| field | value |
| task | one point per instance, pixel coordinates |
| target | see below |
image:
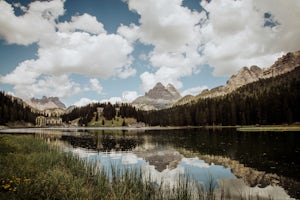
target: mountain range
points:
(247, 75)
(46, 103)
(160, 96)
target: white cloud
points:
(129, 96)
(96, 86)
(84, 22)
(84, 102)
(59, 86)
(165, 23)
(174, 31)
(112, 100)
(36, 24)
(194, 91)
(81, 46)
(232, 35)
(130, 33)
(235, 35)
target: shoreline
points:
(247, 128)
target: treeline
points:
(12, 110)
(268, 101)
(86, 113)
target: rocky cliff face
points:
(46, 103)
(247, 75)
(158, 98)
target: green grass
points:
(33, 169)
(277, 128)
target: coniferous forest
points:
(265, 102)
(268, 101)
(11, 110)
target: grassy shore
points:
(33, 169)
(278, 128)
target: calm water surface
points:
(253, 160)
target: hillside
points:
(13, 109)
(267, 101)
(247, 75)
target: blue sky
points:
(83, 51)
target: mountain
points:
(247, 75)
(158, 97)
(46, 103)
(273, 100)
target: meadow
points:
(31, 168)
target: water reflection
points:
(259, 159)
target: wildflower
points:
(6, 186)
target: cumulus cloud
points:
(84, 22)
(194, 91)
(227, 35)
(36, 24)
(174, 32)
(96, 86)
(112, 100)
(80, 46)
(59, 86)
(129, 96)
(235, 33)
(84, 102)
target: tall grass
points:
(33, 169)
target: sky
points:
(116, 50)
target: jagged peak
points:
(46, 103)
(159, 85)
(158, 97)
(245, 75)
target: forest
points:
(85, 114)
(11, 110)
(267, 101)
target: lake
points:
(265, 164)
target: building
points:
(42, 121)
(54, 121)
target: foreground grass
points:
(33, 169)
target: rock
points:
(158, 97)
(247, 75)
(46, 103)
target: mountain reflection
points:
(259, 159)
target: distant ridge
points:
(246, 75)
(46, 103)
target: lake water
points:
(257, 163)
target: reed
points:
(33, 169)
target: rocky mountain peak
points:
(173, 91)
(160, 92)
(246, 75)
(158, 97)
(46, 103)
